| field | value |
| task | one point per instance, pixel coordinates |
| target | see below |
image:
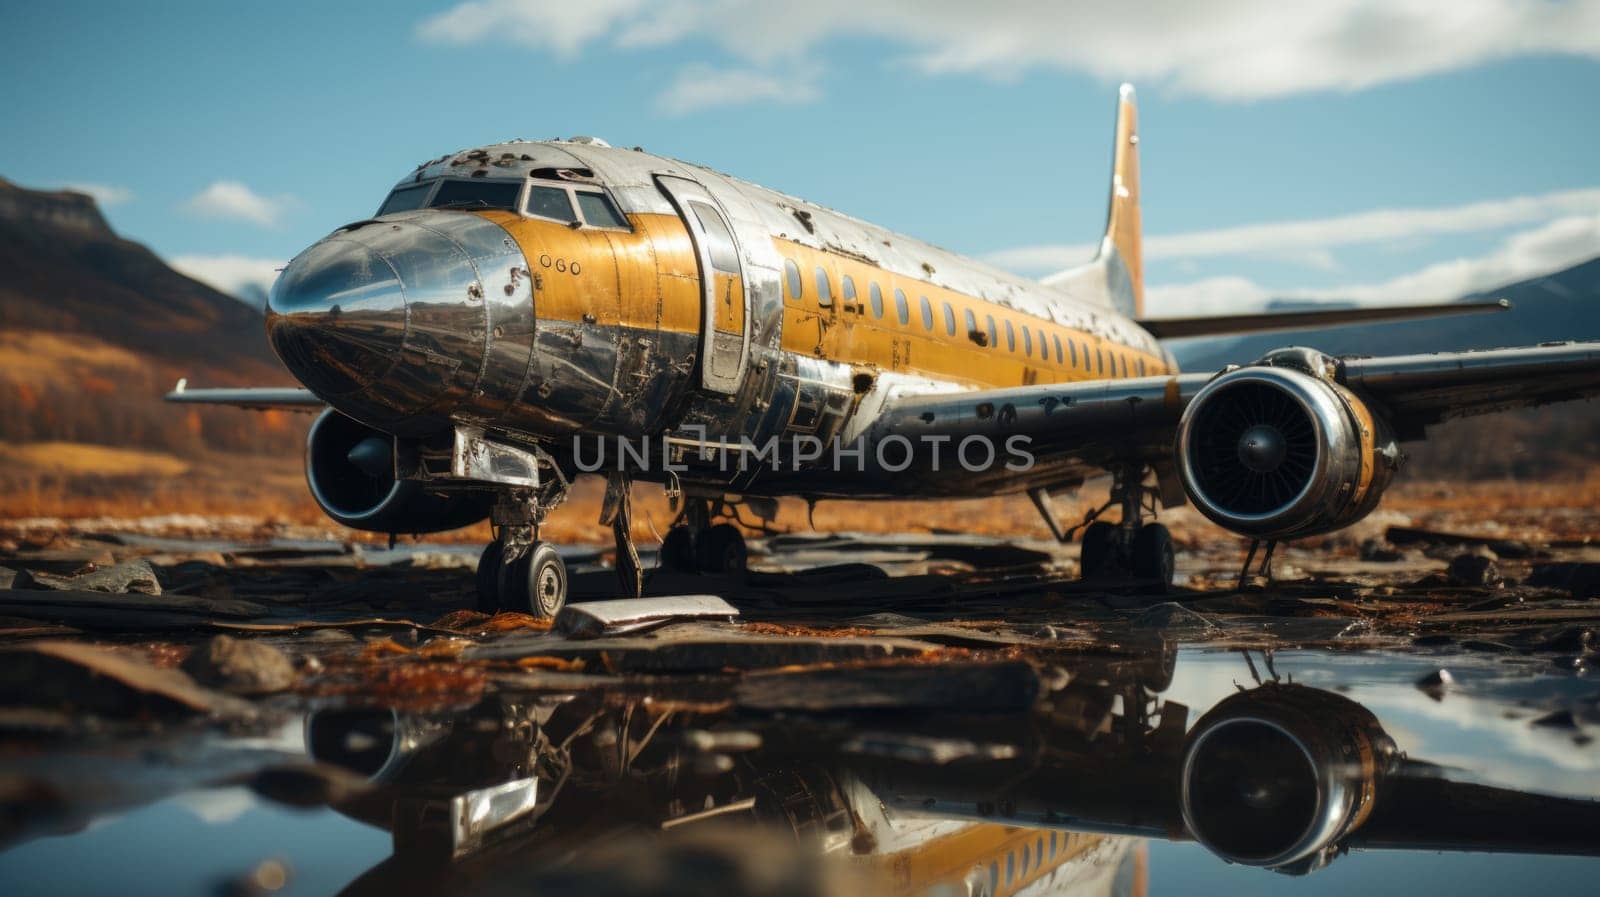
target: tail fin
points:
(1120, 248)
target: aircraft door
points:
(724, 289)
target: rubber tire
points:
(722, 550)
(1153, 555)
(1097, 549)
(488, 577)
(677, 551)
(536, 583)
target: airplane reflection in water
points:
(628, 791)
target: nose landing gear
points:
(517, 571)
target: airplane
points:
(518, 314)
(1059, 798)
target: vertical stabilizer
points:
(1120, 248)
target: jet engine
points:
(350, 468)
(1276, 776)
(1279, 450)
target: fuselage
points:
(566, 291)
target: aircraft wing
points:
(255, 398)
(1105, 422)
(1221, 325)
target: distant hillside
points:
(1563, 305)
(94, 328)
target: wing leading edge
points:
(1226, 325)
(254, 398)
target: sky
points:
(1375, 150)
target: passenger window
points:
(1057, 338)
(404, 199)
(824, 289)
(847, 288)
(1044, 348)
(949, 320)
(972, 328)
(549, 202)
(599, 212)
(994, 335)
(1099, 360)
(1141, 367)
(1011, 338)
(876, 295)
(901, 308)
(792, 274)
(1027, 342)
(1072, 346)
(927, 313)
(719, 243)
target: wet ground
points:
(885, 714)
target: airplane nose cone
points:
(337, 317)
(402, 322)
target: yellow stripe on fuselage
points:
(854, 334)
(648, 278)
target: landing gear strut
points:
(1131, 547)
(696, 545)
(517, 571)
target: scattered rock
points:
(1437, 684)
(1376, 549)
(1474, 569)
(1558, 719)
(102, 681)
(1582, 580)
(1171, 615)
(130, 576)
(240, 666)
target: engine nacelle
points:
(1278, 451)
(1278, 776)
(350, 469)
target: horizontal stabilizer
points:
(256, 398)
(1225, 325)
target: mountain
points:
(94, 328)
(1559, 306)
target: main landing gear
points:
(1130, 548)
(696, 545)
(517, 571)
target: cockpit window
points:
(476, 194)
(598, 210)
(404, 199)
(550, 202)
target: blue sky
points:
(1385, 151)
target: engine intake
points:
(350, 469)
(1277, 452)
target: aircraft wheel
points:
(1153, 557)
(535, 583)
(722, 550)
(1098, 547)
(677, 551)
(489, 564)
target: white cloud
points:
(1308, 241)
(241, 276)
(1550, 247)
(104, 194)
(701, 87)
(234, 201)
(1225, 49)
